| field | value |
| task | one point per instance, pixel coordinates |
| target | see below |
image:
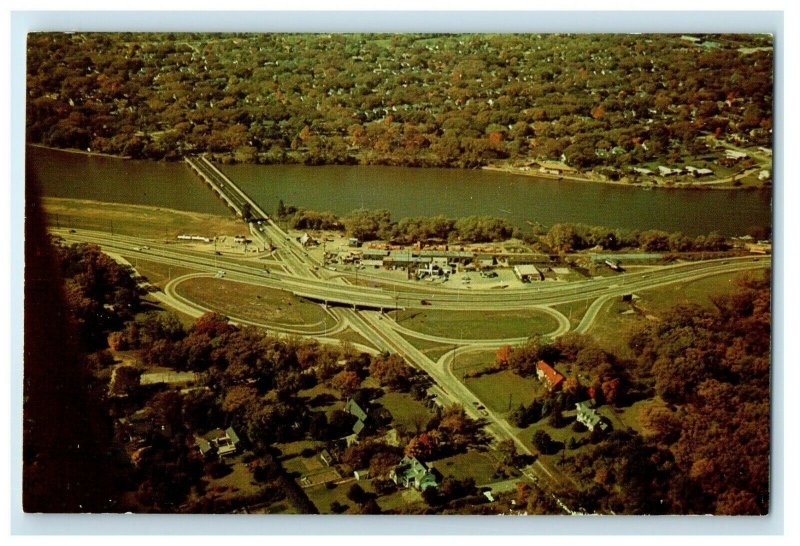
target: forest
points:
(704, 443)
(440, 100)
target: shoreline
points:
(77, 151)
(646, 186)
(700, 186)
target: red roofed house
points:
(548, 375)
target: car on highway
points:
(424, 302)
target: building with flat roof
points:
(528, 272)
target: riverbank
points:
(77, 151)
(724, 184)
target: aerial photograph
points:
(399, 273)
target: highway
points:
(360, 308)
(304, 282)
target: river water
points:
(407, 192)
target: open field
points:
(137, 220)
(432, 349)
(658, 300)
(406, 412)
(322, 398)
(472, 464)
(501, 392)
(251, 302)
(323, 497)
(616, 317)
(353, 337)
(476, 324)
(573, 310)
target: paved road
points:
(303, 282)
(302, 279)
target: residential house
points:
(326, 457)
(667, 171)
(589, 417)
(697, 173)
(218, 442)
(411, 472)
(355, 410)
(549, 376)
(361, 416)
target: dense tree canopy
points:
(404, 99)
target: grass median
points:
(476, 324)
(251, 302)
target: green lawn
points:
(472, 464)
(406, 411)
(503, 391)
(322, 497)
(612, 324)
(353, 337)
(158, 274)
(431, 349)
(616, 318)
(239, 482)
(476, 324)
(251, 302)
(323, 398)
(136, 220)
(658, 300)
(574, 310)
(152, 305)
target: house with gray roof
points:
(411, 472)
(589, 417)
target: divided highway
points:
(362, 304)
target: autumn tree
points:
(502, 356)
(391, 371)
(346, 382)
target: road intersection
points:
(361, 309)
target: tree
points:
(357, 494)
(508, 449)
(382, 462)
(391, 371)
(346, 382)
(542, 441)
(502, 356)
(422, 446)
(610, 389)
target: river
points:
(407, 192)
